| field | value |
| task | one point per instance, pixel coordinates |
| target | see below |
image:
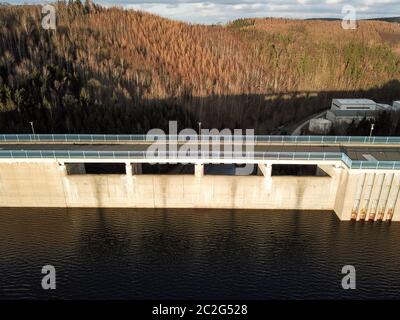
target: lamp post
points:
(33, 129)
(372, 129)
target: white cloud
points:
(334, 1)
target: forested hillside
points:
(118, 71)
(389, 19)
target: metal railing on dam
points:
(306, 156)
(73, 154)
(96, 138)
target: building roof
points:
(384, 106)
(354, 101)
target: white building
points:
(320, 125)
(353, 104)
(349, 110)
(384, 107)
(348, 116)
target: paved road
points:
(370, 153)
(297, 131)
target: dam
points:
(356, 177)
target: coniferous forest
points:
(122, 71)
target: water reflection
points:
(199, 254)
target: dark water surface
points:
(197, 254)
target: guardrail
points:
(190, 155)
(93, 138)
(308, 156)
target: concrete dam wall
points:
(352, 194)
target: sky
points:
(222, 11)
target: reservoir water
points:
(194, 254)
